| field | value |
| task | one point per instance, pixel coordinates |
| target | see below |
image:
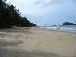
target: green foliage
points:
(10, 16)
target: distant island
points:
(68, 23)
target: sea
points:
(65, 28)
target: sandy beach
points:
(36, 42)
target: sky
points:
(47, 12)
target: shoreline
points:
(58, 30)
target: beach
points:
(36, 42)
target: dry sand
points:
(35, 42)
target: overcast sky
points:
(47, 12)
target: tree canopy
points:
(10, 16)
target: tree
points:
(10, 16)
(23, 22)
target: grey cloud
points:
(46, 1)
(51, 1)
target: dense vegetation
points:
(10, 16)
(68, 23)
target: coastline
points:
(59, 29)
